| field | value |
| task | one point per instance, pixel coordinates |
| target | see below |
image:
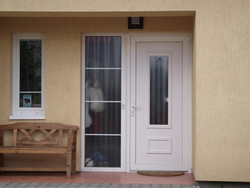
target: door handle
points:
(135, 106)
(133, 111)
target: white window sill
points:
(13, 117)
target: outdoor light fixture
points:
(135, 22)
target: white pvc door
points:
(156, 106)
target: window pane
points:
(30, 100)
(103, 51)
(158, 90)
(102, 151)
(104, 118)
(103, 85)
(30, 65)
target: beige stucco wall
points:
(63, 65)
(194, 99)
(221, 79)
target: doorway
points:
(147, 123)
(160, 103)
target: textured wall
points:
(222, 91)
(63, 64)
(97, 8)
(194, 100)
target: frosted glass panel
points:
(102, 151)
(159, 90)
(105, 121)
(103, 51)
(103, 85)
(102, 101)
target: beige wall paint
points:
(222, 92)
(194, 99)
(221, 100)
(63, 64)
(88, 6)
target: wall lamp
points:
(135, 22)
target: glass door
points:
(102, 102)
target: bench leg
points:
(74, 162)
(1, 155)
(69, 164)
(74, 153)
(1, 161)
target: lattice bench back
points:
(48, 130)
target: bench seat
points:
(32, 150)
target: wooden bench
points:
(50, 143)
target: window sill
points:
(14, 117)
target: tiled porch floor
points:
(96, 177)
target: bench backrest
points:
(23, 133)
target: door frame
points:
(128, 49)
(186, 40)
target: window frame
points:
(27, 112)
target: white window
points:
(28, 76)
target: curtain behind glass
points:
(103, 52)
(158, 90)
(102, 101)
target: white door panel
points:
(157, 130)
